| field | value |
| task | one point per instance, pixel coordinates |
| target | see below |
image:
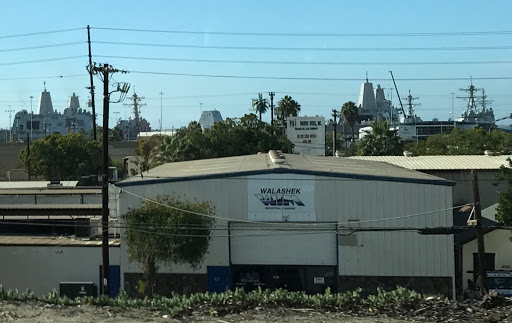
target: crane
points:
(400, 100)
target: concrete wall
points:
(42, 268)
(399, 254)
(497, 242)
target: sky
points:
(60, 58)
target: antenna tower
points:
(135, 106)
(410, 105)
(470, 98)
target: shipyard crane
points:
(499, 119)
(400, 100)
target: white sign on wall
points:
(281, 197)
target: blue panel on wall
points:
(218, 278)
(115, 280)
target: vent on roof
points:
(277, 157)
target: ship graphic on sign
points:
(279, 200)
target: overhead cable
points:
(317, 78)
(40, 46)
(323, 49)
(299, 63)
(41, 33)
(285, 34)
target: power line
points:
(347, 49)
(300, 63)
(41, 46)
(43, 60)
(284, 34)
(317, 78)
(40, 77)
(41, 33)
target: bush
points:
(231, 301)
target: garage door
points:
(283, 244)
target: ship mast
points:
(471, 90)
(410, 106)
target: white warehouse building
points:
(305, 223)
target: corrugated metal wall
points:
(338, 200)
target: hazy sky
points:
(183, 95)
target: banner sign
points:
(283, 197)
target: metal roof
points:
(34, 184)
(295, 164)
(459, 162)
(11, 240)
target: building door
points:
(490, 264)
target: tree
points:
(170, 231)
(473, 141)
(228, 138)
(350, 114)
(260, 105)
(381, 142)
(115, 134)
(504, 209)
(286, 107)
(68, 157)
(145, 154)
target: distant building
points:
(208, 118)
(307, 134)
(47, 120)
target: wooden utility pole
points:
(104, 188)
(105, 70)
(272, 94)
(28, 158)
(334, 115)
(93, 104)
(479, 234)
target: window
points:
(312, 136)
(312, 123)
(319, 123)
(306, 136)
(21, 127)
(298, 136)
(303, 123)
(292, 123)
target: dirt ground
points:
(42, 313)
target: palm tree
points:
(286, 107)
(260, 104)
(350, 113)
(381, 141)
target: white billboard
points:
(283, 197)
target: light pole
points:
(10, 122)
(161, 115)
(31, 115)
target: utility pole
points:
(10, 122)
(28, 158)
(334, 115)
(272, 94)
(161, 114)
(31, 115)
(104, 188)
(479, 235)
(104, 71)
(93, 104)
